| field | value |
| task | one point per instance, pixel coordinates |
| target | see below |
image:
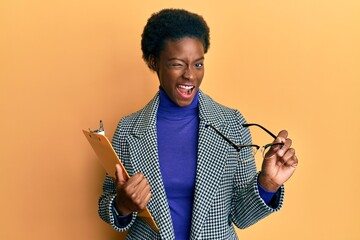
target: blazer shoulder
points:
(142, 119)
(213, 108)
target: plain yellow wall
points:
(285, 64)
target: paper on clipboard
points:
(108, 158)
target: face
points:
(180, 69)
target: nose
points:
(189, 73)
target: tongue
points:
(184, 91)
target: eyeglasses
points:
(255, 148)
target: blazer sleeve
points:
(106, 200)
(247, 205)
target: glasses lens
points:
(254, 150)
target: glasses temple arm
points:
(226, 139)
(254, 124)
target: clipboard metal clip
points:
(101, 129)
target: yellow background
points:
(284, 64)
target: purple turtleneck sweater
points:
(177, 136)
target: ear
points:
(153, 63)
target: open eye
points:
(199, 65)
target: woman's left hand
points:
(279, 164)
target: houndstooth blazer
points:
(226, 191)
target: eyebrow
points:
(179, 59)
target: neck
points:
(168, 108)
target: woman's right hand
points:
(133, 194)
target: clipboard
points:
(108, 158)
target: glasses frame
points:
(238, 147)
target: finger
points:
(289, 153)
(136, 179)
(148, 197)
(140, 195)
(281, 138)
(283, 134)
(273, 149)
(142, 188)
(130, 188)
(140, 204)
(293, 162)
(146, 200)
(290, 158)
(284, 149)
(145, 191)
(145, 197)
(120, 178)
(277, 148)
(143, 184)
(139, 190)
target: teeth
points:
(186, 87)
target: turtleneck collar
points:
(168, 109)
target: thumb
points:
(120, 178)
(278, 144)
(272, 148)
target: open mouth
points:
(185, 90)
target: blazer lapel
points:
(210, 165)
(144, 158)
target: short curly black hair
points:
(172, 24)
